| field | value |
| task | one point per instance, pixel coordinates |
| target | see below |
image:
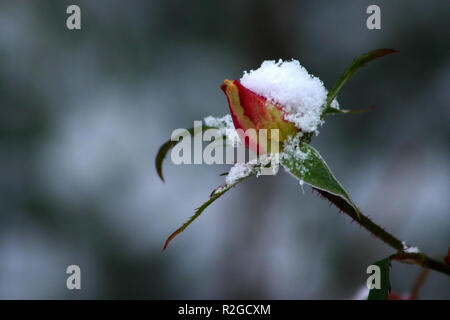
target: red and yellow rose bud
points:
(252, 111)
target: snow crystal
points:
(291, 147)
(334, 104)
(412, 250)
(287, 83)
(242, 170)
(238, 171)
(292, 152)
(302, 183)
(257, 166)
(295, 157)
(267, 164)
(409, 249)
(225, 126)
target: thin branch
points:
(418, 284)
(402, 256)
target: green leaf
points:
(357, 64)
(162, 152)
(309, 167)
(213, 197)
(165, 148)
(383, 292)
(331, 110)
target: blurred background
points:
(82, 114)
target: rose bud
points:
(278, 95)
(252, 111)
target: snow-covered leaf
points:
(306, 164)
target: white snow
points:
(267, 162)
(254, 166)
(296, 157)
(226, 127)
(292, 152)
(301, 95)
(291, 147)
(334, 104)
(238, 171)
(409, 249)
(302, 183)
(412, 250)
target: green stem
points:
(402, 256)
(423, 260)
